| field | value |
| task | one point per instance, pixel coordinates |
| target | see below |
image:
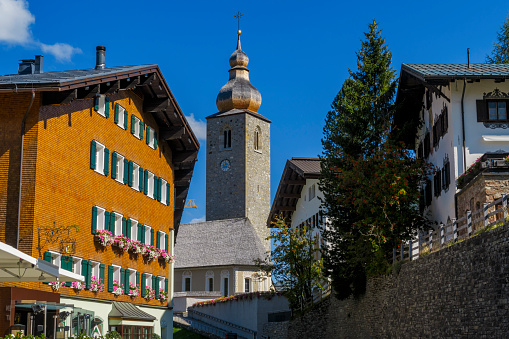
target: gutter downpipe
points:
(21, 163)
(463, 123)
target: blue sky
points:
(300, 51)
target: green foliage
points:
(116, 335)
(293, 262)
(180, 333)
(500, 53)
(370, 183)
(156, 336)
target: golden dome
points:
(238, 91)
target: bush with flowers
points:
(55, 285)
(104, 237)
(238, 297)
(96, 285)
(470, 173)
(163, 296)
(118, 288)
(134, 290)
(150, 293)
(77, 285)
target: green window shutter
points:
(168, 194)
(106, 162)
(166, 238)
(96, 104)
(107, 107)
(126, 280)
(140, 232)
(122, 277)
(128, 229)
(116, 114)
(145, 183)
(47, 256)
(114, 165)
(130, 174)
(64, 260)
(142, 127)
(101, 273)
(155, 140)
(166, 285)
(151, 237)
(126, 115)
(158, 242)
(154, 287)
(93, 151)
(143, 279)
(68, 284)
(138, 278)
(94, 220)
(126, 170)
(133, 124)
(89, 274)
(156, 180)
(107, 221)
(124, 226)
(141, 179)
(84, 270)
(112, 223)
(147, 137)
(110, 278)
(143, 234)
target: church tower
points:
(238, 152)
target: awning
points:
(128, 311)
(16, 266)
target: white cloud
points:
(61, 51)
(199, 127)
(195, 220)
(15, 21)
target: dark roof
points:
(218, 243)
(293, 179)
(456, 71)
(128, 311)
(238, 111)
(62, 87)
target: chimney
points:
(468, 57)
(38, 64)
(26, 66)
(100, 57)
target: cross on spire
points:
(238, 16)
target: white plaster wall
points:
(443, 207)
(306, 208)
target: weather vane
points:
(238, 16)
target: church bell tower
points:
(238, 151)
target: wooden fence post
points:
(410, 250)
(469, 222)
(402, 251)
(430, 240)
(454, 229)
(504, 204)
(485, 210)
(442, 234)
(420, 242)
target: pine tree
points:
(500, 54)
(369, 183)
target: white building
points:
(463, 110)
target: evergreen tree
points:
(370, 184)
(500, 54)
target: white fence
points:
(489, 215)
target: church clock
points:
(225, 165)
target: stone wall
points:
(461, 291)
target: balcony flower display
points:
(104, 237)
(96, 285)
(163, 296)
(122, 242)
(77, 285)
(149, 293)
(55, 285)
(166, 256)
(136, 246)
(118, 288)
(150, 252)
(134, 290)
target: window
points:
(137, 176)
(186, 281)
(134, 229)
(148, 235)
(497, 110)
(116, 223)
(56, 258)
(95, 269)
(148, 280)
(161, 240)
(225, 287)
(225, 275)
(132, 276)
(227, 139)
(136, 127)
(102, 105)
(149, 180)
(437, 183)
(210, 284)
(312, 192)
(121, 116)
(116, 273)
(118, 167)
(151, 137)
(247, 284)
(76, 265)
(159, 284)
(164, 191)
(99, 158)
(257, 139)
(99, 221)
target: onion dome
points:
(238, 92)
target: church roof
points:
(218, 243)
(238, 111)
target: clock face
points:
(225, 165)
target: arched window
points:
(225, 283)
(209, 281)
(227, 138)
(257, 139)
(186, 281)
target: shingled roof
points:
(293, 179)
(125, 310)
(62, 87)
(218, 243)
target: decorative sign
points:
(96, 333)
(60, 235)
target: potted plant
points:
(96, 285)
(104, 237)
(163, 296)
(118, 288)
(55, 285)
(77, 285)
(134, 290)
(149, 293)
